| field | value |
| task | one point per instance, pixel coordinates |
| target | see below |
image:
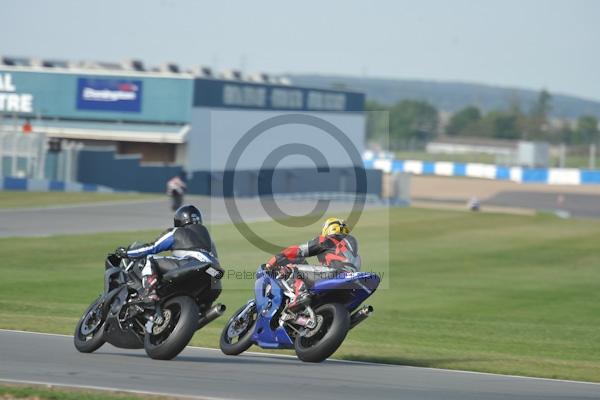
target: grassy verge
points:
(484, 292)
(10, 392)
(16, 199)
(571, 161)
(574, 161)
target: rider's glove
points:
(286, 271)
(271, 270)
(121, 252)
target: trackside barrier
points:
(43, 185)
(550, 176)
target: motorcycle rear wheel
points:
(89, 332)
(171, 339)
(329, 335)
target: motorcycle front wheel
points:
(333, 323)
(180, 322)
(237, 333)
(89, 331)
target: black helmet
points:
(186, 215)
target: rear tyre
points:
(237, 333)
(180, 323)
(333, 325)
(89, 332)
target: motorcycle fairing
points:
(267, 305)
(356, 287)
(359, 285)
(114, 332)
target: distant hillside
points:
(450, 96)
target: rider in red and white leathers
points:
(336, 250)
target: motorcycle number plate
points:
(212, 272)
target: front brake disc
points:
(158, 329)
(238, 326)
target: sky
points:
(534, 44)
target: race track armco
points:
(206, 373)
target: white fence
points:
(27, 155)
(22, 155)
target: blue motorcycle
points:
(315, 330)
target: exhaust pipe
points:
(360, 316)
(212, 314)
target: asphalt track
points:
(121, 216)
(579, 205)
(207, 373)
(155, 214)
(576, 205)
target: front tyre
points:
(179, 325)
(89, 332)
(237, 333)
(333, 323)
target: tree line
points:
(416, 120)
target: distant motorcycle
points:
(163, 330)
(315, 331)
(176, 188)
(176, 196)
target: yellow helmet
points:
(335, 226)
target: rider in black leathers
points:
(188, 240)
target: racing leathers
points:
(336, 254)
(187, 243)
(176, 185)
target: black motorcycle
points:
(163, 329)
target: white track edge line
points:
(105, 389)
(256, 353)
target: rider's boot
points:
(149, 295)
(301, 295)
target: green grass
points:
(16, 199)
(482, 292)
(571, 161)
(575, 161)
(52, 393)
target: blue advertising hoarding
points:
(109, 94)
(58, 94)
